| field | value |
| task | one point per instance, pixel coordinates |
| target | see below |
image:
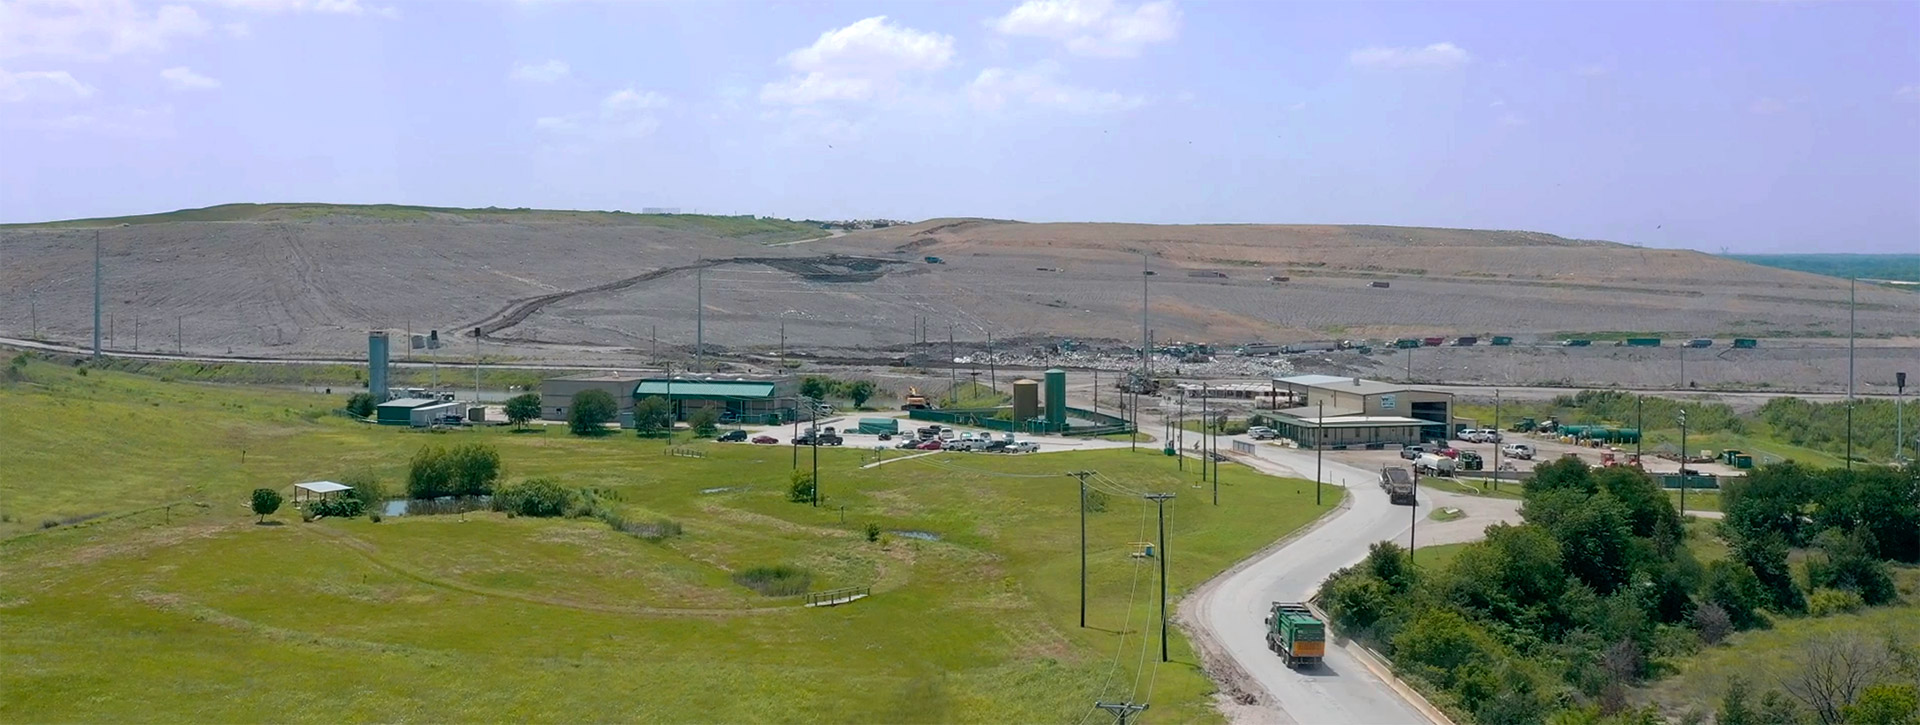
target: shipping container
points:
(1465, 341)
(1433, 341)
(1745, 343)
(1642, 342)
(1502, 340)
(1406, 342)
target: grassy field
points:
(1437, 558)
(1473, 487)
(1697, 499)
(1764, 655)
(484, 617)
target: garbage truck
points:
(1398, 484)
(1296, 635)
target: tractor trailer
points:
(1296, 635)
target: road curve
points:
(1229, 610)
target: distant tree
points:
(1734, 706)
(1884, 704)
(1733, 588)
(814, 386)
(1388, 561)
(475, 466)
(1712, 622)
(650, 415)
(1846, 563)
(592, 410)
(360, 404)
(522, 408)
(704, 421)
(859, 391)
(1564, 474)
(430, 474)
(1834, 671)
(265, 502)
(1766, 555)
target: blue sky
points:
(1751, 126)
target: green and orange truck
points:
(1296, 635)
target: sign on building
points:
(1388, 401)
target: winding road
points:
(1229, 610)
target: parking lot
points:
(847, 427)
(1546, 449)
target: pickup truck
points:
(1262, 433)
(1520, 451)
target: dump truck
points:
(914, 400)
(1296, 635)
(1398, 484)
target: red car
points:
(765, 439)
(932, 444)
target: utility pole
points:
(1683, 461)
(1206, 422)
(783, 344)
(1161, 499)
(1639, 424)
(1180, 433)
(476, 366)
(1851, 331)
(1121, 710)
(814, 438)
(96, 294)
(179, 335)
(953, 362)
(1096, 392)
(1320, 442)
(1133, 442)
(1413, 517)
(1683, 366)
(1082, 475)
(1899, 416)
(670, 415)
(653, 335)
(1497, 445)
(993, 372)
(1146, 346)
(699, 319)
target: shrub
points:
(541, 497)
(374, 516)
(650, 415)
(859, 391)
(522, 408)
(1824, 602)
(265, 501)
(704, 421)
(475, 468)
(367, 489)
(873, 532)
(1713, 623)
(1096, 501)
(340, 508)
(1733, 588)
(430, 473)
(1885, 704)
(800, 489)
(360, 404)
(592, 411)
(656, 530)
(775, 581)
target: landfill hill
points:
(307, 280)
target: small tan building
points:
(556, 394)
(1355, 412)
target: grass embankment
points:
(1764, 656)
(750, 227)
(1437, 558)
(1473, 487)
(482, 617)
(1697, 499)
(453, 374)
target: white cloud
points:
(55, 85)
(92, 29)
(623, 114)
(182, 78)
(330, 7)
(629, 101)
(858, 62)
(1437, 55)
(997, 88)
(1910, 92)
(1099, 28)
(549, 71)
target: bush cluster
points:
(465, 470)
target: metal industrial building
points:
(1353, 412)
(556, 394)
(416, 412)
(771, 400)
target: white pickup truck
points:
(1520, 451)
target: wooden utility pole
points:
(1082, 475)
(1161, 499)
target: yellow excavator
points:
(914, 400)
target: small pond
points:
(431, 506)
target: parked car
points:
(945, 434)
(732, 436)
(932, 444)
(1262, 433)
(1489, 435)
(1411, 452)
(909, 443)
(765, 439)
(1023, 447)
(996, 446)
(1520, 451)
(885, 436)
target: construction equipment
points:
(1296, 635)
(1471, 461)
(1398, 484)
(914, 400)
(1134, 382)
(1526, 425)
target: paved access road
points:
(1231, 609)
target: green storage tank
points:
(1056, 384)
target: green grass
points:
(1447, 514)
(974, 395)
(1437, 558)
(1763, 656)
(759, 229)
(1473, 487)
(1706, 545)
(1697, 500)
(1123, 437)
(482, 617)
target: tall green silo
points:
(1056, 380)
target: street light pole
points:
(1320, 442)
